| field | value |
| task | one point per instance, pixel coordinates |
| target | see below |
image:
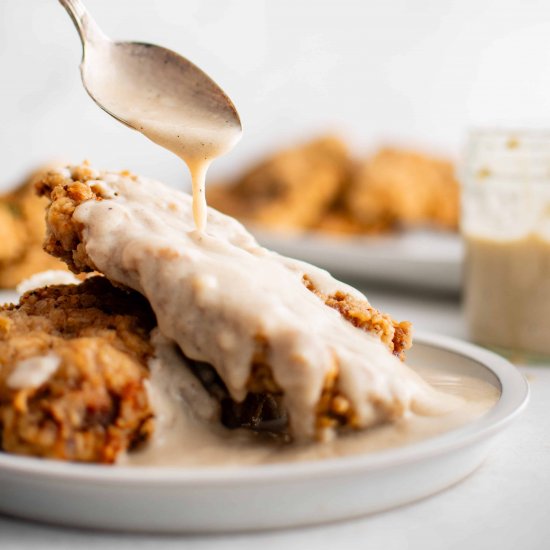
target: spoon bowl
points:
(124, 76)
(162, 95)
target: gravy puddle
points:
(187, 436)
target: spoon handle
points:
(87, 28)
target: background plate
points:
(420, 259)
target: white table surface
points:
(503, 505)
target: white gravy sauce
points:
(222, 298)
(46, 278)
(161, 101)
(186, 436)
(33, 372)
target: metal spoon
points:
(158, 73)
(162, 95)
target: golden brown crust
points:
(63, 233)
(319, 186)
(22, 230)
(293, 188)
(339, 222)
(94, 405)
(396, 335)
(407, 188)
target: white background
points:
(413, 72)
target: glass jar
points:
(506, 229)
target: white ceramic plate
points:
(270, 496)
(423, 259)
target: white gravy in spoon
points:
(180, 110)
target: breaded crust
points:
(292, 188)
(94, 405)
(22, 230)
(319, 186)
(396, 335)
(398, 187)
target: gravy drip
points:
(185, 436)
(170, 107)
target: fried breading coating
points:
(318, 186)
(395, 335)
(22, 230)
(93, 404)
(397, 187)
(292, 188)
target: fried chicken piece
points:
(22, 230)
(72, 372)
(64, 239)
(340, 221)
(398, 187)
(71, 187)
(318, 186)
(291, 189)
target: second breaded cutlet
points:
(73, 365)
(22, 230)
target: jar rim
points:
(507, 153)
(513, 139)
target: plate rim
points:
(376, 245)
(513, 400)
